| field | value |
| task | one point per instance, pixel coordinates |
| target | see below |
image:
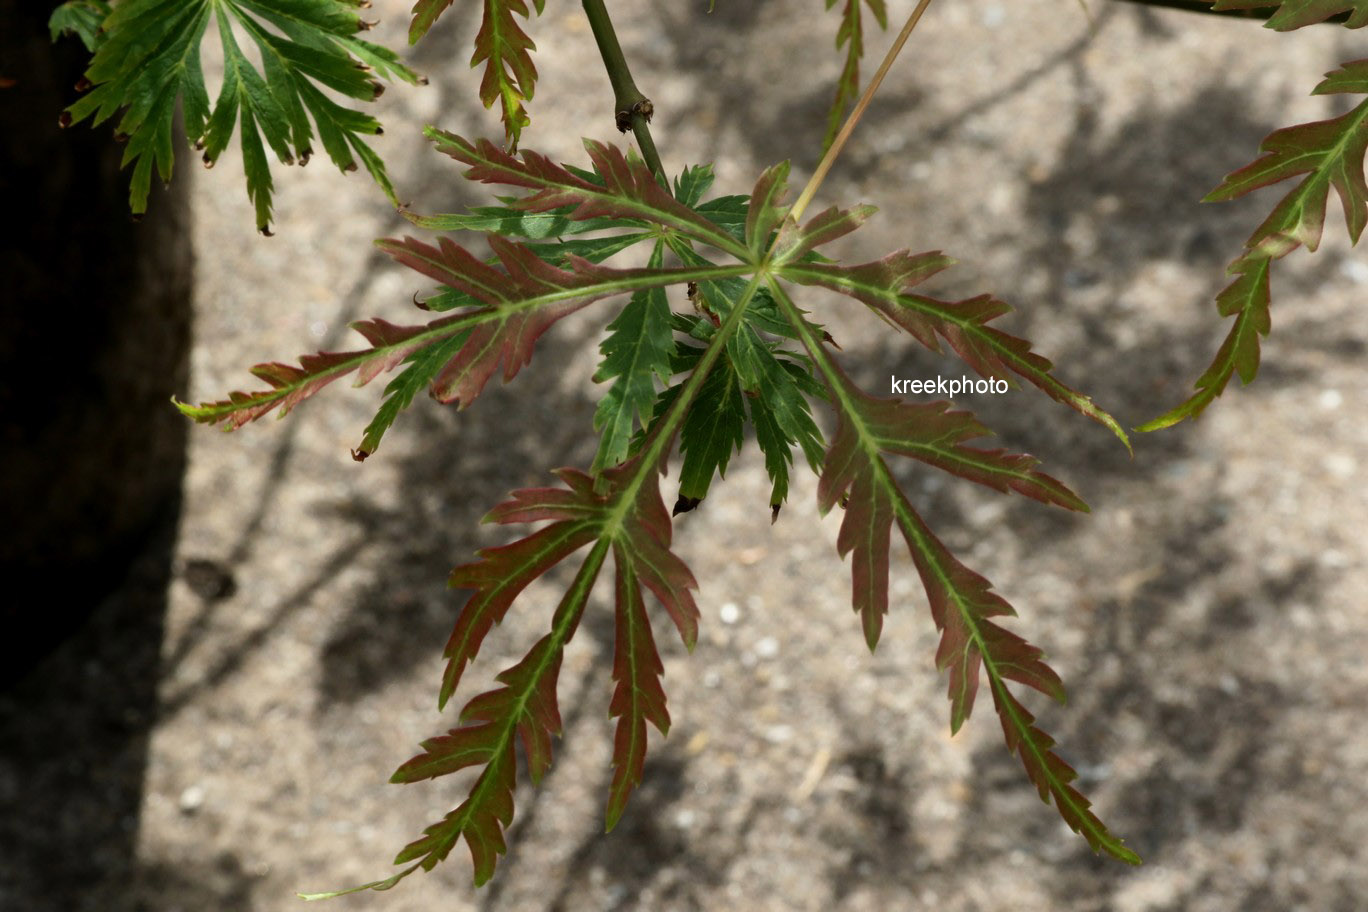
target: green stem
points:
(629, 104)
(846, 129)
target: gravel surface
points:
(1207, 616)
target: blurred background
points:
(218, 733)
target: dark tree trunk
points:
(94, 339)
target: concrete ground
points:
(1207, 617)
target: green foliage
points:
(503, 47)
(1330, 153)
(1293, 14)
(708, 343)
(744, 371)
(850, 35)
(81, 18)
(147, 60)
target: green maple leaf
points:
(147, 59)
(1331, 154)
(850, 35)
(510, 77)
(636, 354)
(81, 18)
(743, 369)
(1293, 14)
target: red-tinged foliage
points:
(868, 426)
(961, 602)
(291, 385)
(509, 336)
(823, 228)
(629, 190)
(1294, 14)
(623, 513)
(638, 697)
(765, 211)
(503, 47)
(882, 284)
(520, 302)
(1052, 776)
(1331, 155)
(525, 706)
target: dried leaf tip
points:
(359, 454)
(83, 84)
(685, 504)
(64, 119)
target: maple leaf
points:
(1293, 14)
(850, 35)
(961, 601)
(81, 18)
(882, 285)
(622, 513)
(636, 354)
(495, 311)
(629, 189)
(1331, 155)
(510, 76)
(454, 356)
(147, 58)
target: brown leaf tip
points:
(359, 454)
(685, 504)
(82, 84)
(64, 119)
(774, 512)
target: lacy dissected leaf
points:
(510, 306)
(766, 209)
(1293, 14)
(713, 430)
(636, 354)
(776, 397)
(962, 602)
(638, 697)
(882, 285)
(81, 18)
(692, 183)
(510, 77)
(149, 59)
(1331, 155)
(867, 427)
(629, 190)
(850, 35)
(629, 518)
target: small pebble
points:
(192, 799)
